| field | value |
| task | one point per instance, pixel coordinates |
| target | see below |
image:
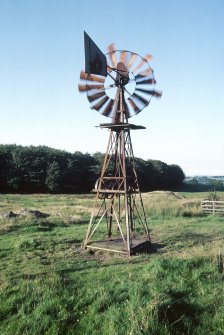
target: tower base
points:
(139, 245)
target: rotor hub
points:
(122, 78)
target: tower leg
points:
(111, 218)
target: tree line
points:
(42, 169)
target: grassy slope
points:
(47, 286)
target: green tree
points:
(53, 177)
(40, 169)
(176, 175)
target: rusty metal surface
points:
(118, 214)
(118, 209)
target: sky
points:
(42, 53)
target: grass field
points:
(49, 286)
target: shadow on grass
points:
(75, 241)
(178, 312)
(93, 266)
(79, 222)
(46, 226)
(93, 259)
(194, 238)
(147, 248)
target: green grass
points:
(48, 286)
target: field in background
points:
(48, 286)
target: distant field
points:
(49, 286)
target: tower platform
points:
(120, 126)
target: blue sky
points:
(41, 55)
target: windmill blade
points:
(124, 57)
(145, 73)
(92, 77)
(107, 110)
(134, 106)
(95, 96)
(146, 81)
(139, 66)
(111, 47)
(148, 57)
(100, 103)
(86, 87)
(141, 99)
(114, 60)
(84, 75)
(154, 93)
(143, 62)
(112, 55)
(131, 60)
(144, 90)
(127, 110)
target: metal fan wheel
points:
(101, 91)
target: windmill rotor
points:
(126, 71)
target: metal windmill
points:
(119, 85)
